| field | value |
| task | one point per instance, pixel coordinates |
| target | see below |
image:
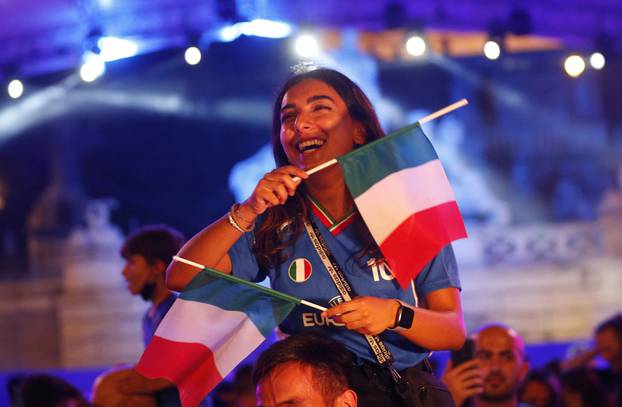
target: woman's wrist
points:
(238, 222)
(395, 307)
(246, 214)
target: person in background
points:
(582, 388)
(608, 345)
(43, 390)
(493, 377)
(307, 370)
(147, 253)
(243, 386)
(540, 389)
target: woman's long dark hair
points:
(283, 224)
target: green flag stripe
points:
(368, 164)
(265, 290)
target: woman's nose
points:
(303, 122)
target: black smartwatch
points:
(404, 317)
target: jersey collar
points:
(334, 226)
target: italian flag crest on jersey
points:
(299, 270)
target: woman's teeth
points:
(309, 145)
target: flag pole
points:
(428, 118)
(268, 291)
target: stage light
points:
(257, 28)
(574, 66)
(113, 48)
(15, 88)
(92, 68)
(229, 33)
(597, 61)
(492, 49)
(105, 4)
(192, 55)
(416, 46)
(307, 46)
(266, 28)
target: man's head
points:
(608, 336)
(50, 391)
(304, 370)
(501, 352)
(147, 252)
(540, 389)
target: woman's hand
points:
(365, 315)
(273, 189)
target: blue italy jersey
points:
(303, 275)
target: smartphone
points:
(464, 354)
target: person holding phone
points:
(494, 372)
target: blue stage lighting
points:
(113, 48)
(15, 88)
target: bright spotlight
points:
(266, 28)
(192, 55)
(105, 4)
(574, 66)
(113, 48)
(492, 50)
(415, 46)
(93, 67)
(229, 33)
(15, 88)
(307, 46)
(597, 60)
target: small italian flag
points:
(300, 270)
(404, 197)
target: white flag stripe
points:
(396, 197)
(237, 347)
(300, 270)
(231, 335)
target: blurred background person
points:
(608, 346)
(50, 391)
(494, 376)
(147, 253)
(540, 389)
(582, 388)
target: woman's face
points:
(316, 125)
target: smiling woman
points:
(315, 125)
(293, 220)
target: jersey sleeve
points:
(441, 272)
(243, 261)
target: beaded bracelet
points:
(233, 222)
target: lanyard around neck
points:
(381, 352)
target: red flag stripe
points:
(419, 238)
(170, 359)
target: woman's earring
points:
(359, 136)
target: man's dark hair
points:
(546, 379)
(49, 391)
(330, 362)
(153, 242)
(614, 323)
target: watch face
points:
(405, 315)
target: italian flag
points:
(215, 323)
(404, 197)
(300, 270)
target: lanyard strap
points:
(381, 352)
